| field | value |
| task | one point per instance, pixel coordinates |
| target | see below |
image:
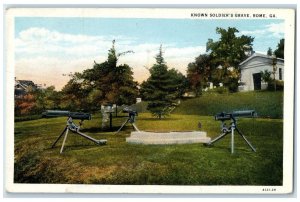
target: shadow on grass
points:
(99, 130)
(239, 149)
(74, 147)
(82, 146)
(156, 119)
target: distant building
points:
(189, 94)
(138, 100)
(251, 71)
(23, 86)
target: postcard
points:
(149, 100)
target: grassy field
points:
(121, 163)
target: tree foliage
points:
(199, 73)
(266, 76)
(222, 63)
(162, 88)
(37, 100)
(279, 52)
(75, 94)
(270, 52)
(25, 105)
(105, 83)
(230, 49)
(48, 98)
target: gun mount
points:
(225, 130)
(71, 126)
(131, 118)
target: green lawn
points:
(266, 104)
(121, 163)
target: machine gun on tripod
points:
(71, 126)
(233, 126)
(131, 119)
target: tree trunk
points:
(110, 121)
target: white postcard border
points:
(287, 14)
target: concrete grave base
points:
(178, 137)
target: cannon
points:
(71, 126)
(73, 115)
(225, 130)
(235, 114)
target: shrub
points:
(279, 85)
(218, 90)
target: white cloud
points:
(277, 30)
(44, 55)
(43, 42)
(37, 34)
(274, 29)
(254, 32)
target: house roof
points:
(254, 55)
(24, 83)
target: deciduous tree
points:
(199, 73)
(105, 83)
(228, 52)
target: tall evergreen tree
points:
(162, 88)
(270, 52)
(279, 52)
(114, 82)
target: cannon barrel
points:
(73, 115)
(244, 113)
(80, 115)
(223, 116)
(130, 111)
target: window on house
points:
(280, 74)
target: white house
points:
(253, 65)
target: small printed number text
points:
(269, 189)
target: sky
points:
(48, 49)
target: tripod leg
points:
(99, 142)
(63, 144)
(232, 140)
(253, 149)
(122, 126)
(216, 139)
(136, 128)
(59, 137)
